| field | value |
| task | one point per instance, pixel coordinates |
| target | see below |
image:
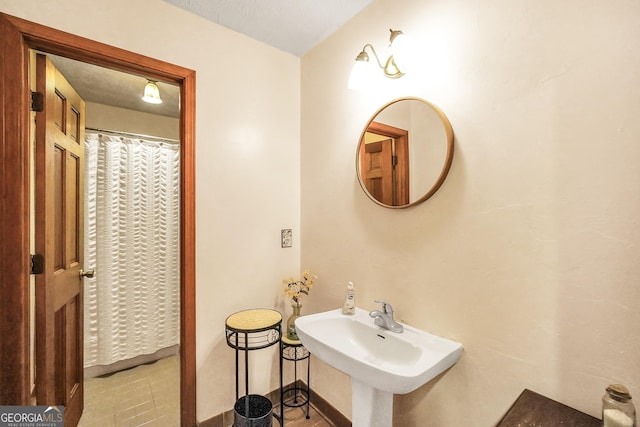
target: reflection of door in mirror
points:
(384, 163)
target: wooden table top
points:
(532, 409)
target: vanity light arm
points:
(374, 54)
(390, 69)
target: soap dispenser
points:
(349, 306)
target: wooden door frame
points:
(17, 36)
(401, 151)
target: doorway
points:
(384, 163)
(17, 37)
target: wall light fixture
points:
(152, 93)
(363, 71)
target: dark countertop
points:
(534, 410)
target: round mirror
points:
(405, 152)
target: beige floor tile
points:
(147, 395)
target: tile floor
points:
(148, 395)
(295, 417)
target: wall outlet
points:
(286, 238)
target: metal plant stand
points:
(295, 396)
(250, 330)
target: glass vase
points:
(291, 321)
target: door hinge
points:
(37, 264)
(37, 102)
(394, 160)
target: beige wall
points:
(528, 254)
(106, 117)
(247, 166)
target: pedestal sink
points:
(380, 362)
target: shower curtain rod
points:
(134, 135)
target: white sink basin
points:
(380, 362)
(394, 362)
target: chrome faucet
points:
(384, 318)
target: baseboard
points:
(318, 402)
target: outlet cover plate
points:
(286, 238)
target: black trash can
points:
(252, 410)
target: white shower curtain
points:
(132, 241)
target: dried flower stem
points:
(294, 289)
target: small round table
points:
(294, 351)
(249, 330)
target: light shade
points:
(152, 93)
(362, 73)
(401, 50)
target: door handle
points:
(88, 273)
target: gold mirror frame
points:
(448, 131)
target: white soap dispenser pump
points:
(349, 306)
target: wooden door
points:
(376, 168)
(384, 163)
(59, 237)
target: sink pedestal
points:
(370, 407)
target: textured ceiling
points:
(293, 26)
(105, 86)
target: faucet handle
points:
(386, 307)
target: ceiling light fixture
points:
(394, 67)
(152, 93)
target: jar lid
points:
(619, 392)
